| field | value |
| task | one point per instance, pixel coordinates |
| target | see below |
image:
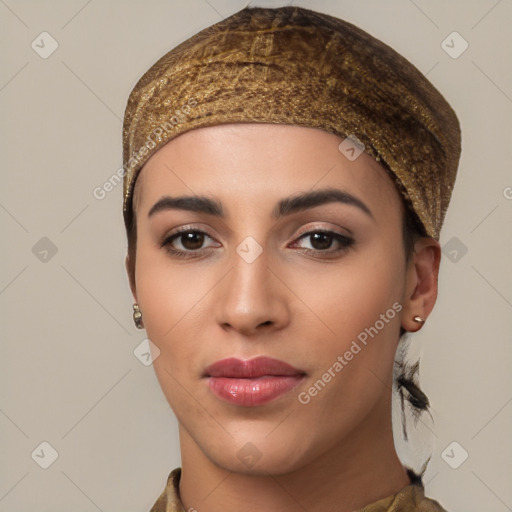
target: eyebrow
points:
(286, 206)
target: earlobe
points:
(421, 284)
(131, 278)
(137, 314)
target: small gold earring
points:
(137, 317)
(418, 319)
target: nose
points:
(251, 298)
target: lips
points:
(252, 368)
(252, 382)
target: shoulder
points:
(169, 500)
(410, 499)
(424, 504)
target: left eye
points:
(323, 240)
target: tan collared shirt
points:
(410, 499)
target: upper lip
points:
(251, 368)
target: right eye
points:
(186, 242)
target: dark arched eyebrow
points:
(286, 206)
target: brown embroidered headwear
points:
(291, 65)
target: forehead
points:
(256, 163)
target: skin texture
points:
(305, 309)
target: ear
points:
(421, 282)
(131, 276)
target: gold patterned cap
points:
(294, 66)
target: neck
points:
(350, 475)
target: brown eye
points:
(192, 240)
(188, 243)
(327, 242)
(321, 241)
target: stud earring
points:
(137, 317)
(418, 319)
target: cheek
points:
(351, 296)
(357, 309)
(161, 292)
(170, 303)
(175, 306)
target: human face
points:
(286, 292)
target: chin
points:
(256, 454)
(276, 463)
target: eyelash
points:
(345, 242)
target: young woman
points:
(287, 176)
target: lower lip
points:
(252, 392)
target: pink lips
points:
(253, 382)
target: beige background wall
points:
(68, 373)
